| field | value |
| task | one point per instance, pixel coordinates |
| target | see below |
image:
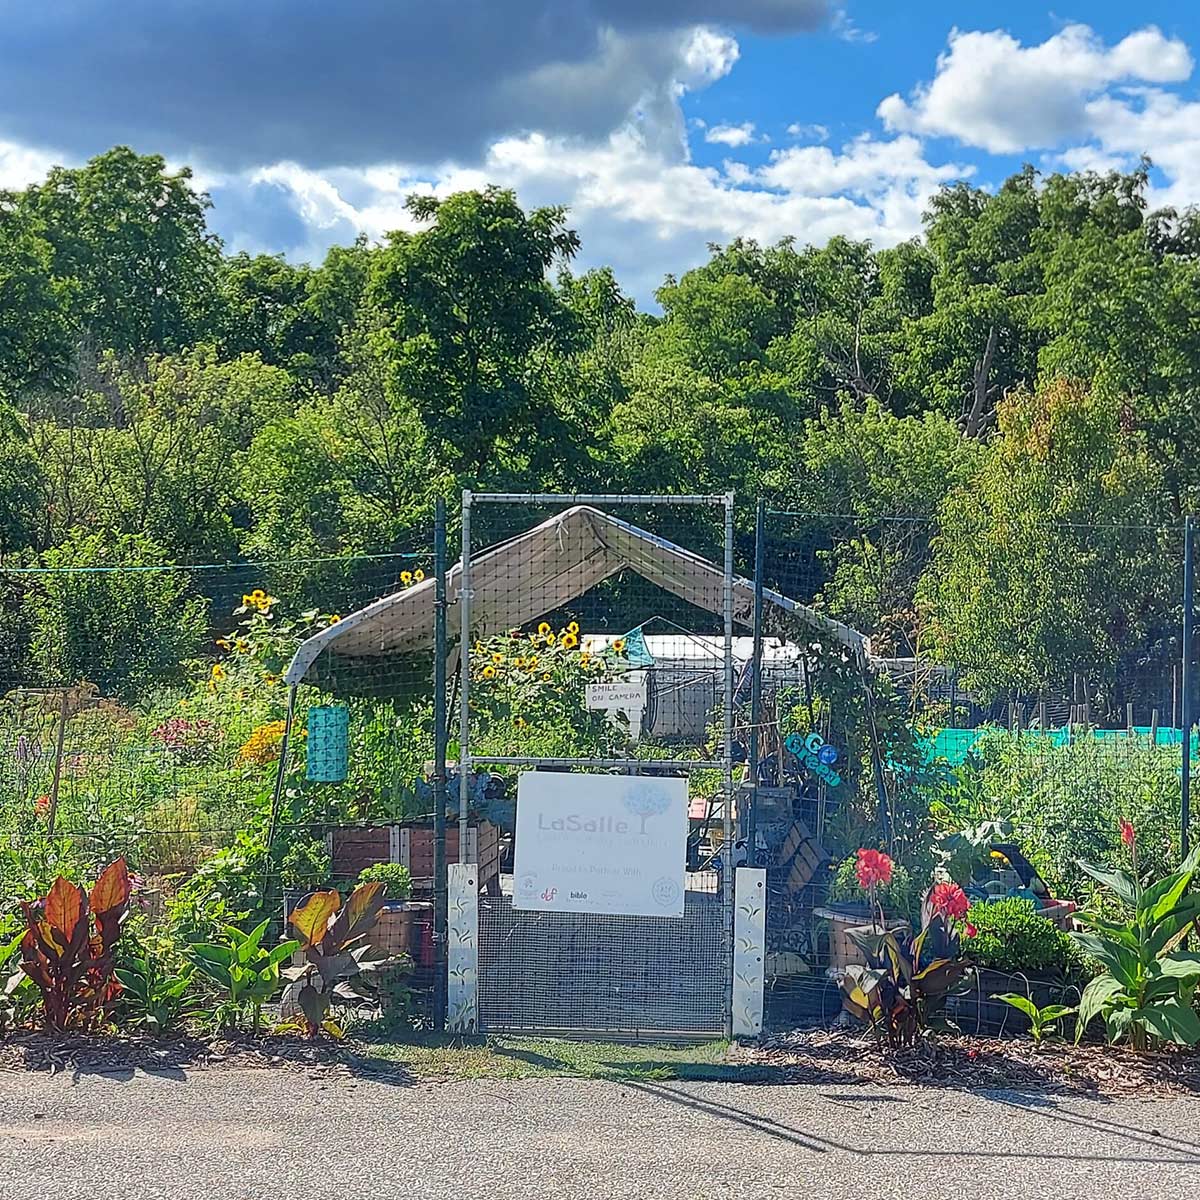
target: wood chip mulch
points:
(99, 1054)
(976, 1063)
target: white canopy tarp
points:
(540, 571)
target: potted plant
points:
(868, 889)
(393, 933)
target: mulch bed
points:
(976, 1063)
(100, 1055)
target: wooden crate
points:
(352, 848)
(803, 855)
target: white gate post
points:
(462, 965)
(749, 951)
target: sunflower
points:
(532, 662)
(497, 659)
(406, 578)
(573, 627)
(619, 646)
(545, 676)
(218, 672)
(489, 672)
(585, 660)
(569, 641)
(419, 575)
(270, 679)
(543, 629)
(257, 596)
(550, 639)
(520, 722)
(334, 618)
(223, 643)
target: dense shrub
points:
(1013, 938)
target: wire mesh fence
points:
(1020, 687)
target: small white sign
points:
(617, 696)
(600, 844)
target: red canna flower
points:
(1128, 836)
(873, 867)
(42, 805)
(949, 900)
(969, 930)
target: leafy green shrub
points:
(306, 866)
(1012, 937)
(395, 877)
(899, 897)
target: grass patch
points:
(503, 1057)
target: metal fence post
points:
(1185, 806)
(439, 764)
(727, 749)
(760, 523)
(464, 687)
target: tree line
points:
(1002, 413)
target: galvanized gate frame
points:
(465, 1006)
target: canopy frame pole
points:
(464, 677)
(727, 756)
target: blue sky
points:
(662, 124)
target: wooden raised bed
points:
(353, 847)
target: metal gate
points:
(573, 972)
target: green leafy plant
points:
(395, 877)
(336, 951)
(1146, 990)
(157, 992)
(1011, 936)
(1043, 1022)
(248, 974)
(965, 852)
(306, 866)
(67, 947)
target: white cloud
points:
(731, 135)
(23, 165)
(641, 210)
(815, 132)
(991, 91)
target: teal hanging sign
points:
(328, 743)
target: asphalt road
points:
(288, 1135)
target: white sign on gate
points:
(600, 844)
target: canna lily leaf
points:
(311, 919)
(1095, 996)
(112, 889)
(63, 908)
(1171, 1022)
(1116, 881)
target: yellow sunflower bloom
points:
(532, 663)
(573, 627)
(489, 672)
(520, 722)
(247, 600)
(585, 659)
(545, 676)
(269, 679)
(619, 646)
(218, 672)
(223, 643)
(257, 596)
(334, 618)
(419, 575)
(569, 641)
(406, 578)
(550, 639)
(543, 629)
(497, 658)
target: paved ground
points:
(288, 1135)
